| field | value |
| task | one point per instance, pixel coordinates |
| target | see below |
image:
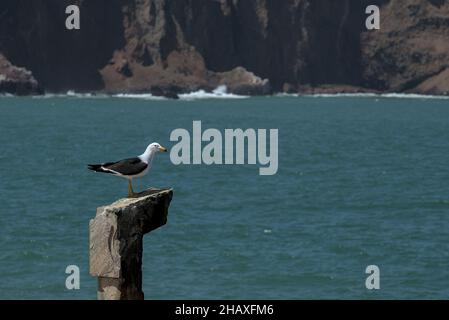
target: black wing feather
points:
(127, 167)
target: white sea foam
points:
(363, 95)
(70, 94)
(73, 94)
(375, 95)
(143, 96)
(220, 92)
(342, 95)
(413, 96)
(286, 95)
(7, 95)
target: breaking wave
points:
(70, 94)
(375, 95)
(220, 92)
(143, 96)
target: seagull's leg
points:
(130, 189)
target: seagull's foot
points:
(132, 195)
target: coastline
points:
(221, 94)
(254, 48)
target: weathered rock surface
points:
(183, 71)
(438, 84)
(116, 242)
(410, 49)
(253, 46)
(15, 80)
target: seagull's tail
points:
(95, 167)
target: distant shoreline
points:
(204, 95)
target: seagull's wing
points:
(126, 167)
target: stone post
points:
(116, 242)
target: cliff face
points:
(411, 51)
(288, 42)
(252, 46)
(33, 35)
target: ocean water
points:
(361, 181)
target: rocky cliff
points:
(410, 53)
(251, 46)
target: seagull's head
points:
(157, 147)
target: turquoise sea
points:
(361, 181)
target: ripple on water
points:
(360, 182)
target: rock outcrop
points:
(252, 46)
(183, 71)
(15, 80)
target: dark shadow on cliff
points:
(289, 42)
(33, 35)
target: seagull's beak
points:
(162, 149)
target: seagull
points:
(132, 167)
